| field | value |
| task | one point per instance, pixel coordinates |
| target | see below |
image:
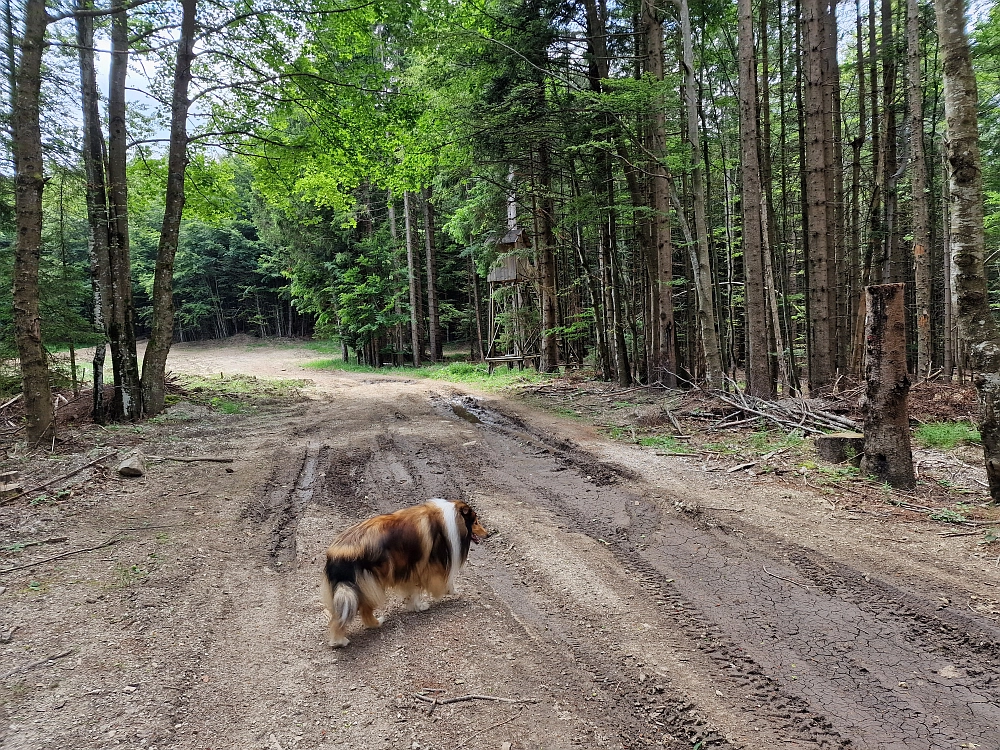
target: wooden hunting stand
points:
(514, 335)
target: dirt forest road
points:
(616, 616)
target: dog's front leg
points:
(415, 602)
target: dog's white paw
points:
(417, 605)
(339, 642)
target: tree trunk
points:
(759, 380)
(976, 325)
(701, 261)
(162, 329)
(121, 318)
(921, 239)
(887, 421)
(416, 313)
(819, 203)
(97, 204)
(433, 316)
(660, 260)
(29, 181)
(545, 247)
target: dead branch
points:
(113, 540)
(8, 403)
(190, 459)
(43, 485)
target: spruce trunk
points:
(29, 181)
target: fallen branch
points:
(471, 697)
(113, 540)
(8, 403)
(43, 485)
(17, 546)
(36, 664)
(740, 467)
(189, 459)
(729, 510)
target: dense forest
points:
(676, 193)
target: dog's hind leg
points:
(415, 601)
(368, 616)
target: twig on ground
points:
(113, 540)
(490, 728)
(740, 467)
(43, 485)
(730, 510)
(36, 664)
(959, 533)
(25, 545)
(471, 697)
(274, 742)
(786, 580)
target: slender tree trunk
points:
(29, 181)
(921, 239)
(121, 319)
(949, 322)
(759, 380)
(545, 247)
(660, 265)
(701, 261)
(976, 325)
(416, 313)
(97, 204)
(433, 316)
(162, 329)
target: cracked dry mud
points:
(630, 623)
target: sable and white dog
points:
(415, 551)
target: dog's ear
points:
(466, 510)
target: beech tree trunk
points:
(416, 311)
(888, 456)
(433, 316)
(161, 336)
(976, 325)
(29, 181)
(759, 378)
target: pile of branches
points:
(789, 414)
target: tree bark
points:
(433, 314)
(701, 260)
(545, 248)
(97, 204)
(976, 325)
(819, 203)
(29, 181)
(888, 456)
(161, 335)
(918, 178)
(759, 379)
(416, 311)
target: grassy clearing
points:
(236, 394)
(946, 435)
(452, 372)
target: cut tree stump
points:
(888, 455)
(841, 447)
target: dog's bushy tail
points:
(340, 594)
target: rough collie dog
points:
(415, 551)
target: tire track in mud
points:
(843, 661)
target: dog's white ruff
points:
(451, 525)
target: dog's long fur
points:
(415, 551)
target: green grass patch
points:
(946, 435)
(664, 442)
(453, 372)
